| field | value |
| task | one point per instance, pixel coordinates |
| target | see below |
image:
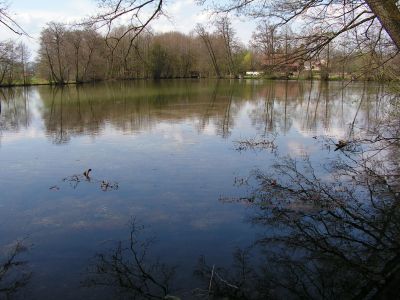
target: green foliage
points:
(159, 62)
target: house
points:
(314, 65)
(254, 73)
(281, 62)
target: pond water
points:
(164, 154)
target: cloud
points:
(180, 16)
(34, 15)
(178, 7)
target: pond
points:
(165, 155)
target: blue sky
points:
(33, 16)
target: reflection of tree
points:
(333, 232)
(130, 270)
(326, 237)
(348, 230)
(208, 111)
(60, 135)
(133, 273)
(227, 117)
(132, 108)
(14, 109)
(275, 113)
(263, 117)
(241, 281)
(312, 107)
(13, 272)
(226, 123)
(72, 111)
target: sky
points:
(32, 16)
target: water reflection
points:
(129, 271)
(133, 272)
(137, 107)
(134, 108)
(14, 271)
(171, 148)
(328, 234)
(14, 109)
(332, 232)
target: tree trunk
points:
(388, 14)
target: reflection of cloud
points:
(174, 135)
(31, 122)
(300, 149)
(31, 133)
(212, 219)
(210, 130)
(160, 216)
(177, 137)
(334, 131)
(46, 221)
(297, 149)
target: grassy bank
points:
(303, 76)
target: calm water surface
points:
(171, 149)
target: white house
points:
(254, 73)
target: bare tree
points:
(6, 60)
(24, 54)
(92, 55)
(8, 21)
(13, 62)
(205, 36)
(371, 24)
(388, 14)
(139, 14)
(75, 38)
(224, 28)
(53, 51)
(266, 39)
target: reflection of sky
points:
(35, 126)
(170, 174)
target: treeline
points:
(74, 54)
(70, 54)
(278, 49)
(14, 63)
(81, 55)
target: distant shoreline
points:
(189, 78)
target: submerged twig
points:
(75, 179)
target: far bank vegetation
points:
(77, 55)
